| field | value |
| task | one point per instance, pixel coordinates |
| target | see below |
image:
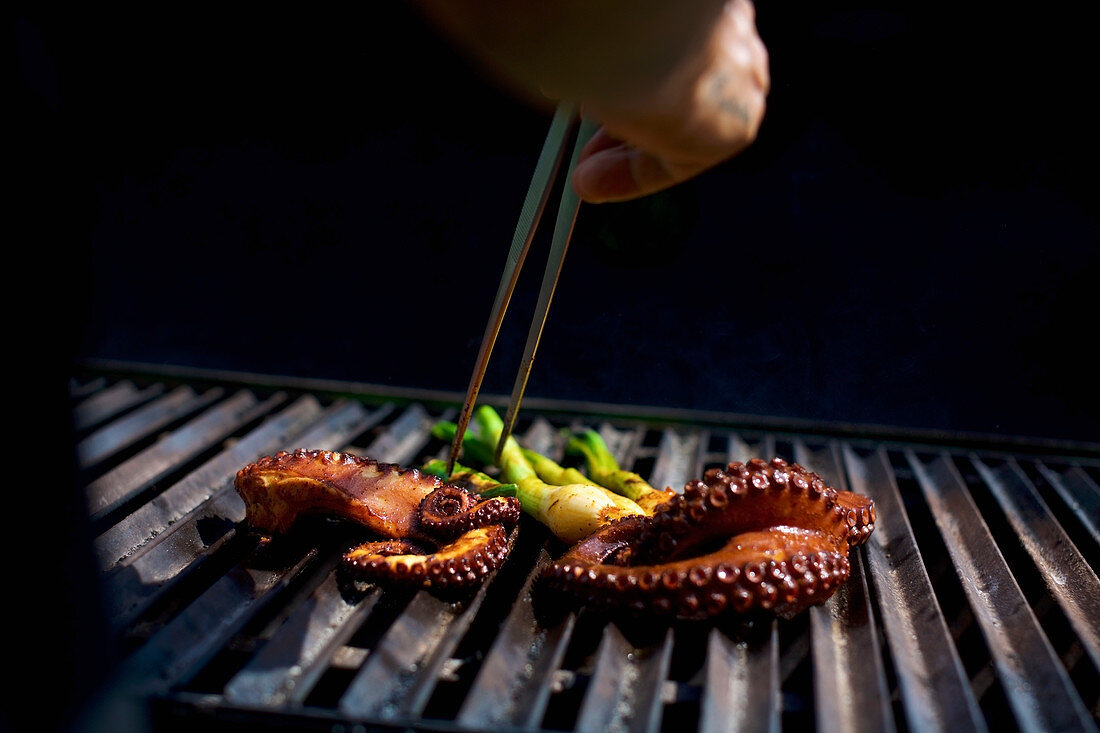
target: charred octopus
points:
(439, 535)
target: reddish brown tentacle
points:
(386, 548)
(462, 563)
(440, 535)
(384, 497)
(450, 510)
(768, 536)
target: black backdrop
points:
(912, 240)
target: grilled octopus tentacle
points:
(439, 535)
(766, 536)
(454, 510)
(459, 564)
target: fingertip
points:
(600, 140)
(619, 174)
(605, 176)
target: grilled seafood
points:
(439, 535)
(769, 536)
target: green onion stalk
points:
(566, 501)
(605, 471)
(485, 485)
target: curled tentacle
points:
(756, 495)
(450, 510)
(459, 564)
(746, 573)
(439, 535)
(768, 536)
(387, 548)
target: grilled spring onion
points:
(485, 485)
(477, 451)
(604, 470)
(553, 473)
(571, 511)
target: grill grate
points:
(973, 607)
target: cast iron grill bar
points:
(625, 692)
(398, 677)
(289, 664)
(127, 536)
(1079, 492)
(513, 686)
(192, 638)
(78, 391)
(195, 635)
(1068, 577)
(849, 679)
(142, 424)
(623, 444)
(151, 571)
(222, 626)
(514, 683)
(106, 403)
(742, 687)
(742, 691)
(397, 445)
(678, 455)
(931, 679)
(285, 670)
(136, 474)
(627, 684)
(1035, 682)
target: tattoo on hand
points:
(729, 105)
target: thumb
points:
(619, 173)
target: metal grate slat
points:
(179, 648)
(932, 632)
(147, 575)
(1037, 686)
(398, 676)
(138, 473)
(1068, 577)
(81, 390)
(128, 535)
(627, 683)
(678, 458)
(931, 677)
(111, 401)
(514, 684)
(742, 690)
(403, 438)
(196, 634)
(142, 424)
(284, 671)
(849, 679)
(742, 682)
(1079, 492)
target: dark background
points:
(911, 241)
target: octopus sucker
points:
(768, 536)
(458, 564)
(450, 509)
(437, 535)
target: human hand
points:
(706, 110)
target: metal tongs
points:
(546, 170)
